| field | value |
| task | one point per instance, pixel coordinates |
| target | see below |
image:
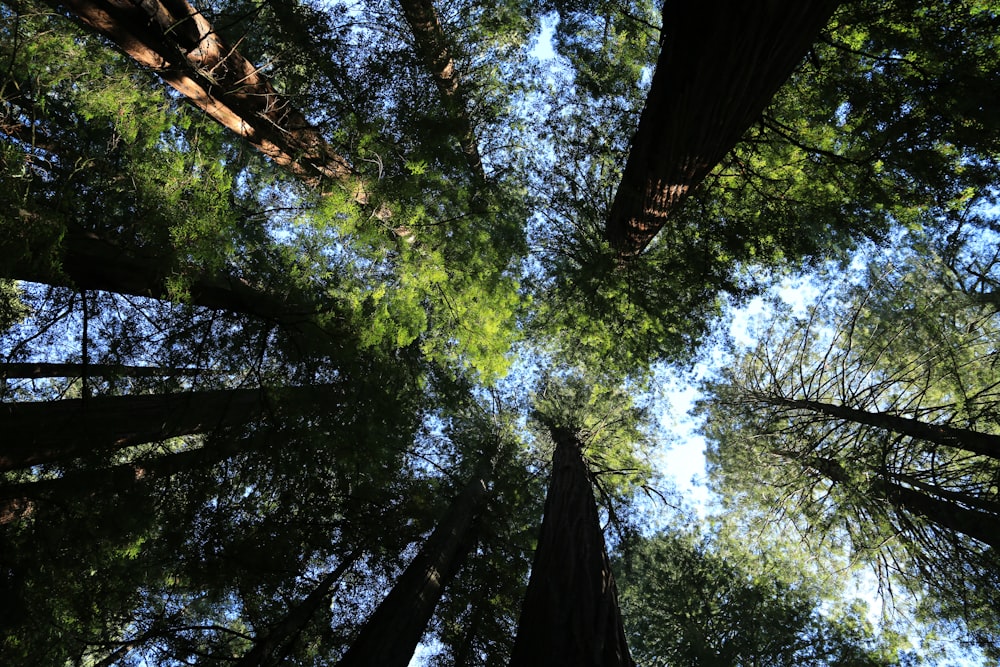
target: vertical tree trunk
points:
(978, 524)
(265, 648)
(390, 636)
(49, 431)
(720, 65)
(570, 615)
(432, 47)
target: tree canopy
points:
(328, 330)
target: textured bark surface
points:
(570, 614)
(390, 636)
(432, 47)
(719, 67)
(177, 42)
(48, 431)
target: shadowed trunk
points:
(390, 636)
(176, 41)
(49, 431)
(570, 616)
(298, 617)
(432, 47)
(57, 370)
(720, 65)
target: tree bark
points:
(570, 616)
(976, 442)
(390, 636)
(432, 47)
(296, 620)
(51, 431)
(177, 42)
(720, 65)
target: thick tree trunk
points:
(50, 431)
(720, 65)
(298, 617)
(432, 47)
(390, 636)
(68, 370)
(177, 42)
(92, 263)
(976, 442)
(570, 615)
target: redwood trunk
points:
(432, 47)
(390, 636)
(49, 431)
(720, 65)
(570, 615)
(979, 525)
(178, 43)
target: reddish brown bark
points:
(432, 47)
(570, 616)
(720, 65)
(177, 42)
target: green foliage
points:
(687, 602)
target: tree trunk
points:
(976, 442)
(979, 525)
(177, 42)
(720, 65)
(281, 634)
(68, 370)
(432, 47)
(50, 431)
(570, 615)
(390, 636)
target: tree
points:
(687, 601)
(889, 421)
(716, 73)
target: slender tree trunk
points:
(977, 524)
(390, 636)
(177, 42)
(976, 442)
(298, 617)
(720, 65)
(432, 47)
(570, 615)
(50, 431)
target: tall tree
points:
(718, 69)
(390, 636)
